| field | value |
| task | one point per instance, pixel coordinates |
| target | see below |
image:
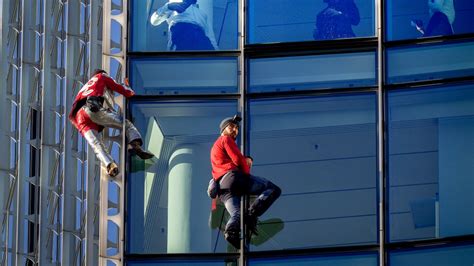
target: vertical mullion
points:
(48, 130)
(27, 77)
(5, 121)
(381, 129)
(69, 180)
(93, 174)
(243, 134)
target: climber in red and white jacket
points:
(89, 116)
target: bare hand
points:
(249, 162)
(332, 12)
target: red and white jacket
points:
(96, 86)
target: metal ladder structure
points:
(52, 211)
(112, 209)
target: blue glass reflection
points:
(306, 20)
(162, 262)
(427, 62)
(335, 21)
(183, 25)
(333, 260)
(457, 255)
(431, 162)
(168, 208)
(312, 72)
(321, 151)
(184, 76)
(415, 19)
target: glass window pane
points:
(333, 260)
(168, 208)
(417, 63)
(431, 162)
(323, 157)
(164, 262)
(305, 20)
(415, 19)
(184, 76)
(205, 25)
(312, 72)
(442, 256)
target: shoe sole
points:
(142, 155)
(234, 242)
(113, 173)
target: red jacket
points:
(96, 86)
(226, 156)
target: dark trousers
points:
(235, 184)
(438, 25)
(188, 36)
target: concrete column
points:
(179, 200)
(188, 203)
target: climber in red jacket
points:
(232, 172)
(89, 116)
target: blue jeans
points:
(235, 184)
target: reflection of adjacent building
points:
(313, 125)
(324, 156)
(426, 175)
(219, 14)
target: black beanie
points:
(234, 120)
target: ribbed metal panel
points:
(49, 48)
(111, 247)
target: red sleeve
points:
(111, 84)
(235, 155)
(72, 119)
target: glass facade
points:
(453, 255)
(162, 26)
(430, 152)
(183, 263)
(173, 213)
(344, 70)
(324, 150)
(369, 137)
(352, 259)
(417, 19)
(430, 62)
(306, 20)
(184, 75)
